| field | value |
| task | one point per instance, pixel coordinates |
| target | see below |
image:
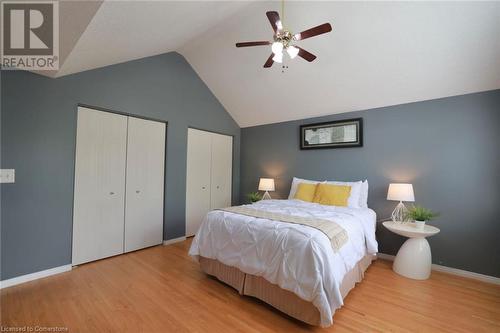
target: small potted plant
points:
(254, 197)
(420, 215)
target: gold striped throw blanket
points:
(335, 233)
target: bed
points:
(292, 267)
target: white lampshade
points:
(277, 47)
(292, 51)
(266, 184)
(400, 192)
(278, 57)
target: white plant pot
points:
(420, 225)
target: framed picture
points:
(332, 134)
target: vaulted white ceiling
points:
(125, 30)
(378, 54)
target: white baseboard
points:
(34, 276)
(384, 256)
(56, 270)
(453, 271)
(174, 240)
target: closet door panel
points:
(99, 195)
(222, 163)
(197, 179)
(144, 184)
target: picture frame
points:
(346, 133)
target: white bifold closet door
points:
(119, 185)
(221, 171)
(145, 183)
(208, 175)
(99, 197)
(197, 179)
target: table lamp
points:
(266, 184)
(400, 192)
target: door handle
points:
(137, 191)
(217, 186)
(203, 187)
(111, 193)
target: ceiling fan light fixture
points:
(283, 39)
(292, 51)
(278, 57)
(277, 47)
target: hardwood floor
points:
(161, 289)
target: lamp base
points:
(399, 213)
(266, 196)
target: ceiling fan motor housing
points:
(284, 37)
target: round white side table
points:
(414, 258)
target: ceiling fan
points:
(284, 40)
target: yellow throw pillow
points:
(305, 192)
(332, 195)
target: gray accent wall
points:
(38, 132)
(448, 148)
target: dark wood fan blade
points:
(274, 18)
(269, 61)
(246, 44)
(320, 29)
(306, 55)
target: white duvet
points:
(297, 258)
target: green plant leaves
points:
(254, 196)
(419, 213)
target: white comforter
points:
(298, 258)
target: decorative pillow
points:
(355, 196)
(332, 195)
(305, 192)
(295, 183)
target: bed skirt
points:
(272, 294)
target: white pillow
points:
(295, 183)
(355, 196)
(363, 198)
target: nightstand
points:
(414, 258)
